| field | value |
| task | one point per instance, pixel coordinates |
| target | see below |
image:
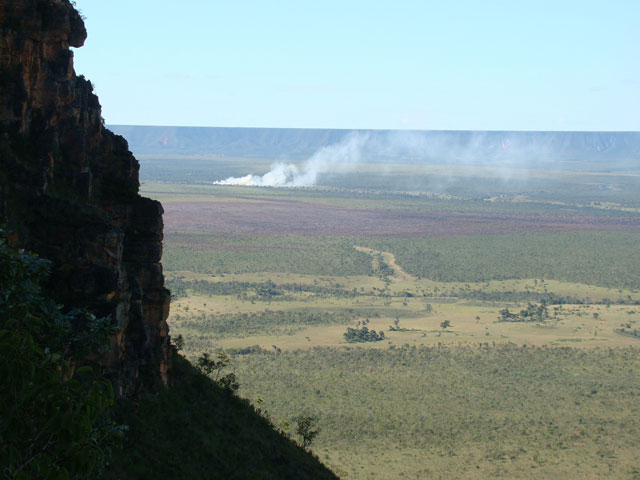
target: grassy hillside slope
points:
(197, 430)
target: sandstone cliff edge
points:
(69, 189)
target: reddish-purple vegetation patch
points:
(299, 218)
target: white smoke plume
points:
(340, 157)
(504, 156)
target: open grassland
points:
(461, 411)
(237, 230)
(480, 399)
(276, 277)
(292, 311)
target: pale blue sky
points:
(480, 65)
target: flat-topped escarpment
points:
(446, 146)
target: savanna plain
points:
(484, 326)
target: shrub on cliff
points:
(53, 403)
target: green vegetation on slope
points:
(56, 408)
(198, 430)
(54, 402)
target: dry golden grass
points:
(471, 321)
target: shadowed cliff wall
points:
(69, 189)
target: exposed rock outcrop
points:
(69, 188)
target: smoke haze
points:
(403, 146)
(340, 157)
(449, 162)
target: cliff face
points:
(69, 188)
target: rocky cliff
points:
(69, 189)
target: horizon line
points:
(372, 129)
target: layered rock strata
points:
(69, 189)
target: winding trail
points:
(390, 259)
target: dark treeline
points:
(548, 298)
(533, 313)
(262, 322)
(267, 290)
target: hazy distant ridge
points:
(289, 142)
